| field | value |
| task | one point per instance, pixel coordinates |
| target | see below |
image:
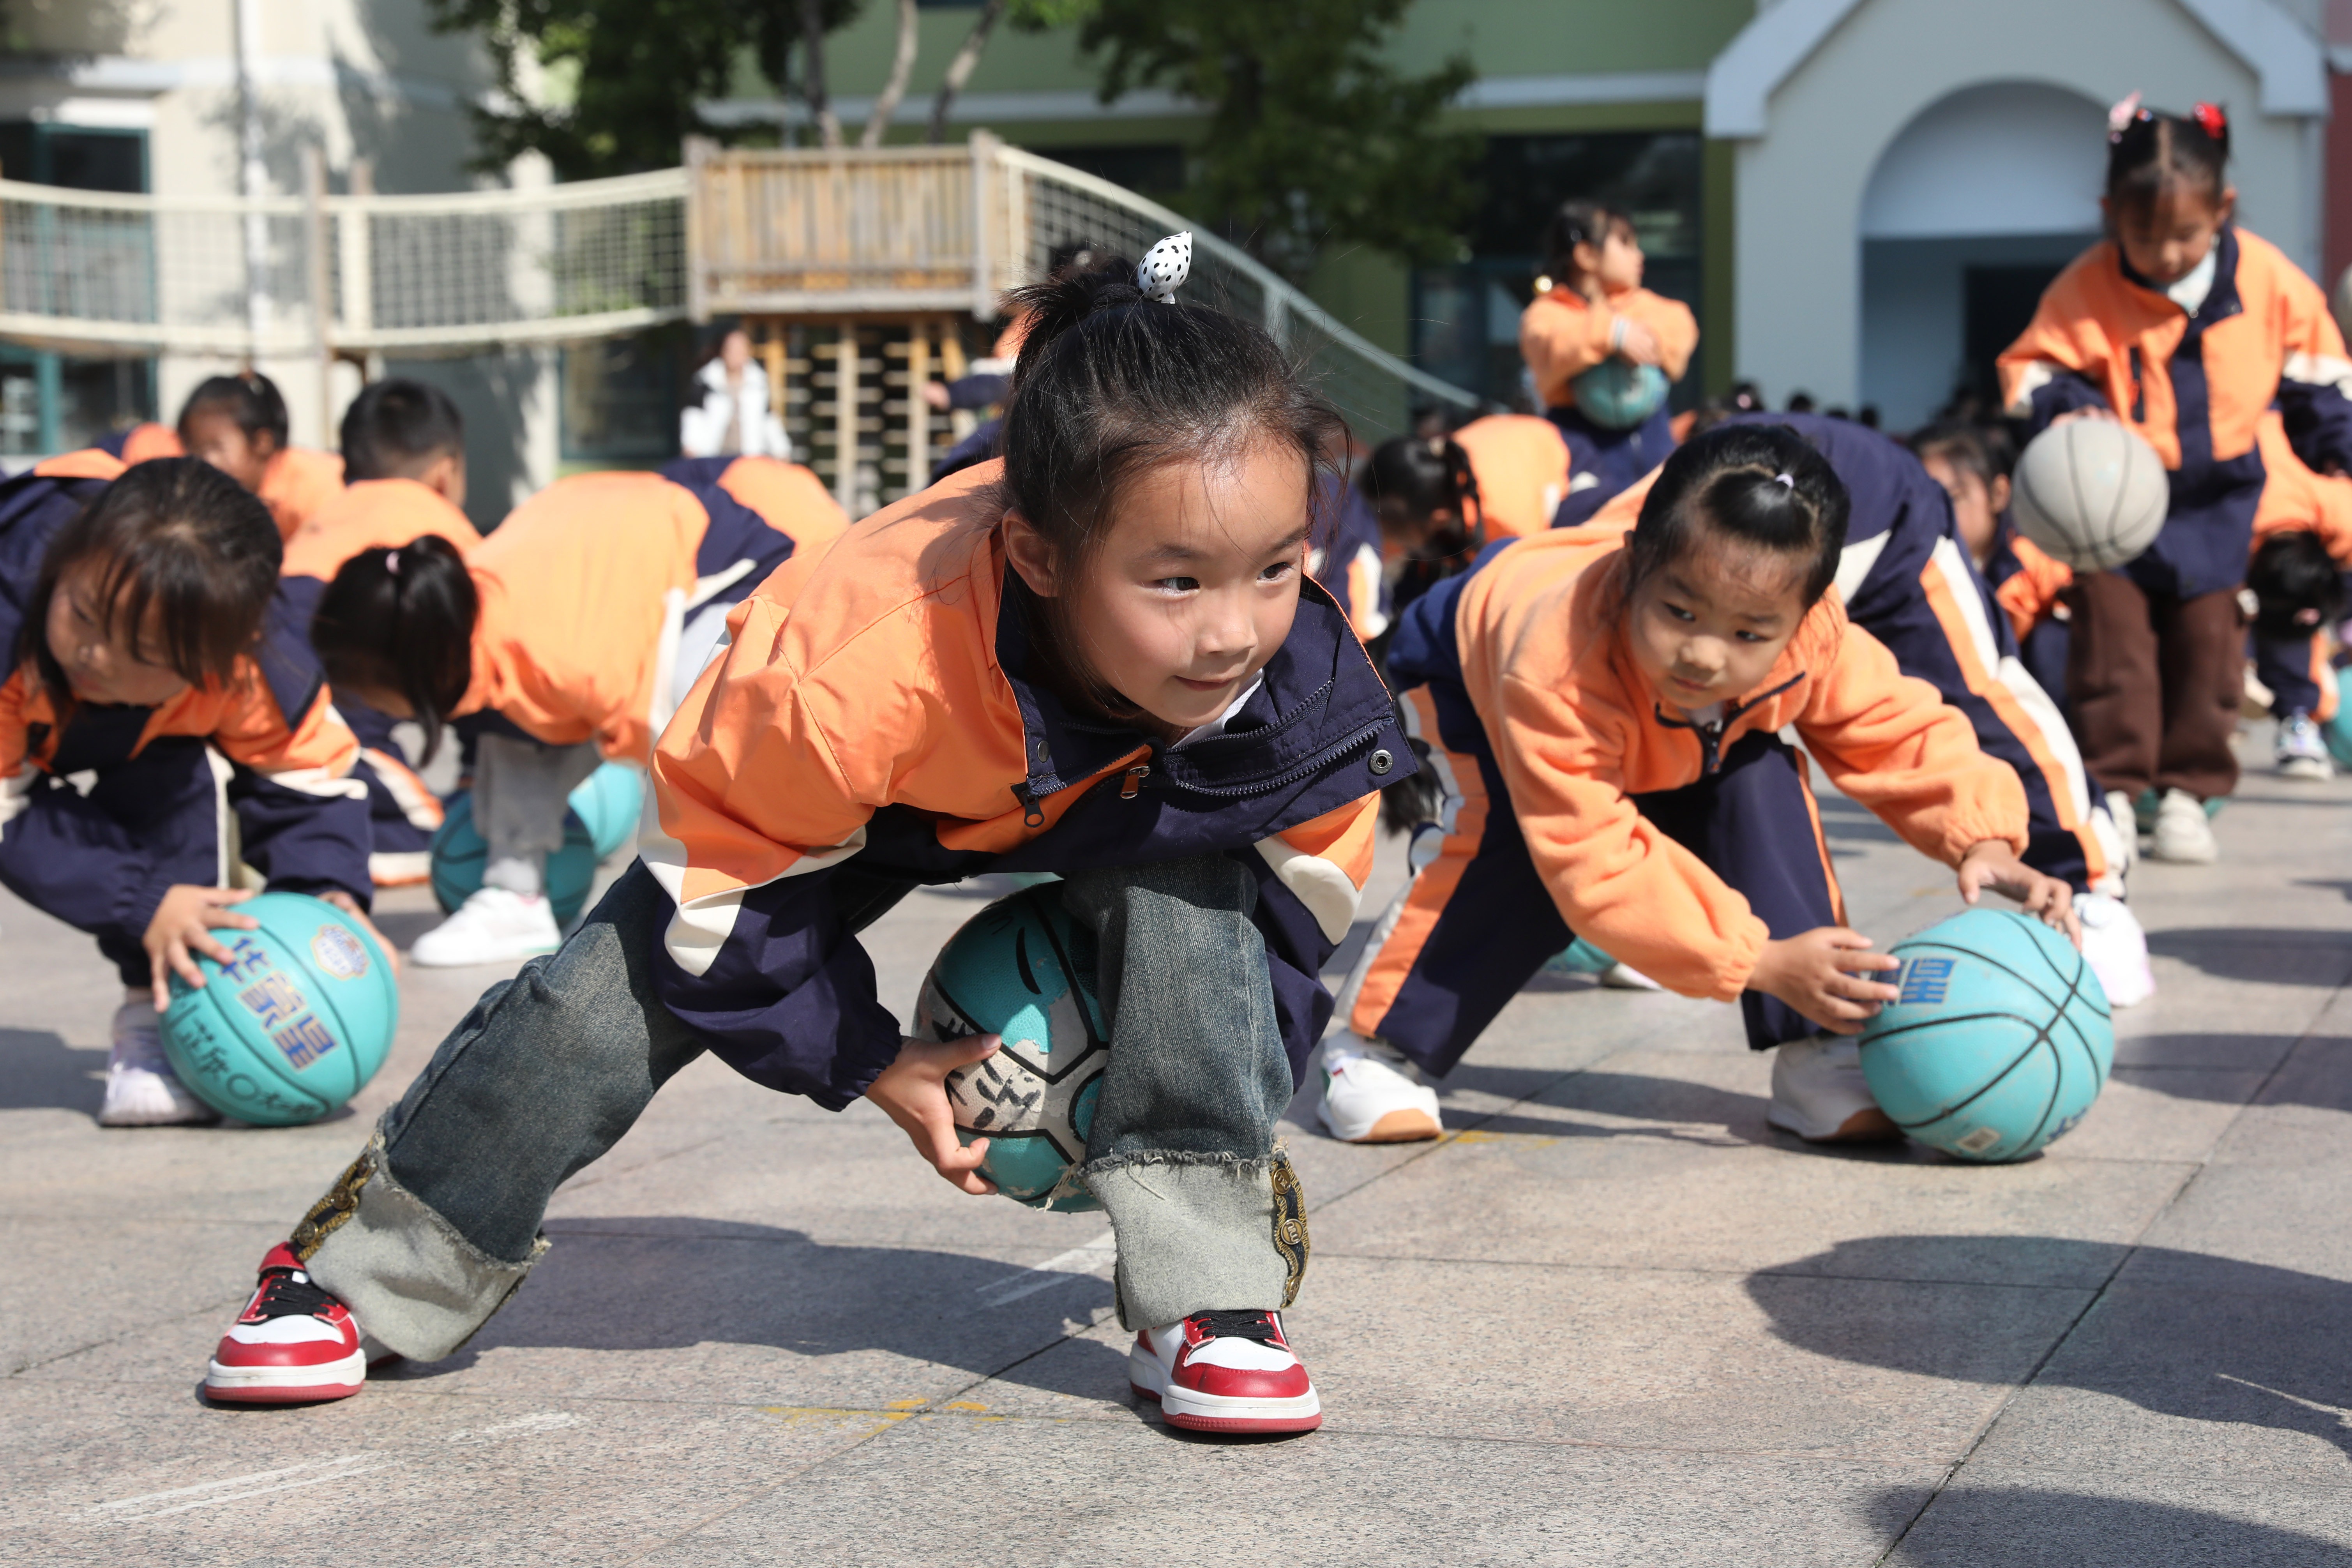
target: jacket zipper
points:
(1710, 736)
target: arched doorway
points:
(1970, 211)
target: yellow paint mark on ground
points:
(1531, 1140)
(963, 1405)
(906, 1404)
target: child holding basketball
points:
(145, 656)
(1099, 657)
(1593, 316)
(2187, 328)
(1607, 707)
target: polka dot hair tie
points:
(1165, 267)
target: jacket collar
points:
(2222, 301)
(1774, 702)
(1319, 698)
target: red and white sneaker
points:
(1224, 1371)
(292, 1344)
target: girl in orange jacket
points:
(1098, 658)
(1606, 709)
(237, 424)
(2187, 328)
(1602, 350)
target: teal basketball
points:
(2000, 1040)
(1619, 394)
(294, 1025)
(2337, 732)
(459, 855)
(1023, 970)
(607, 803)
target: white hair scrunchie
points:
(1165, 267)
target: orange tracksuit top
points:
(880, 706)
(1576, 730)
(585, 590)
(373, 514)
(1562, 334)
(1521, 463)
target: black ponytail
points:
(402, 620)
(1761, 486)
(1412, 478)
(1111, 385)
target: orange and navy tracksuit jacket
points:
(1521, 464)
(267, 745)
(1906, 578)
(137, 443)
(586, 592)
(297, 483)
(372, 514)
(881, 715)
(1581, 805)
(1561, 335)
(2195, 384)
(1344, 554)
(2296, 668)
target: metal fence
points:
(781, 233)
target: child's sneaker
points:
(141, 1089)
(1819, 1093)
(493, 926)
(292, 1344)
(2302, 750)
(2115, 948)
(1224, 1371)
(2183, 835)
(1371, 1094)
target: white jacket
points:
(702, 425)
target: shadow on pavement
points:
(2024, 1526)
(2323, 1088)
(38, 1071)
(2270, 955)
(2183, 1334)
(672, 1282)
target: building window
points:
(1466, 316)
(621, 398)
(52, 401)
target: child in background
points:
(572, 631)
(1973, 463)
(237, 424)
(1100, 659)
(730, 416)
(2187, 328)
(405, 461)
(2303, 537)
(1595, 310)
(142, 654)
(1610, 706)
(1522, 468)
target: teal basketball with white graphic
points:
(2337, 732)
(1023, 970)
(459, 856)
(294, 1025)
(607, 804)
(1619, 394)
(2000, 1040)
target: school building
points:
(1861, 199)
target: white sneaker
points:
(1819, 1093)
(494, 926)
(2184, 834)
(141, 1089)
(2115, 948)
(2302, 750)
(1371, 1094)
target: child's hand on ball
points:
(183, 924)
(351, 906)
(1820, 973)
(912, 1093)
(1993, 864)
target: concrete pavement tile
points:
(2125, 1520)
(2159, 1113)
(393, 1477)
(141, 1276)
(1628, 1358)
(1104, 1493)
(2276, 1213)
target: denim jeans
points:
(438, 1222)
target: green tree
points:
(627, 75)
(1314, 138)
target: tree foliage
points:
(1314, 137)
(635, 71)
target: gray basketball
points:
(2090, 493)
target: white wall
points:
(1800, 187)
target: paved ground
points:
(1612, 1319)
